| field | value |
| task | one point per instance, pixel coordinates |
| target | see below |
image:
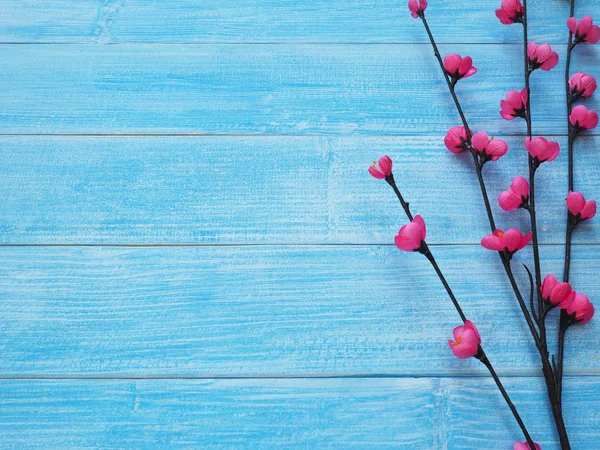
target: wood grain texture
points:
(266, 89)
(206, 311)
(427, 414)
(291, 21)
(265, 190)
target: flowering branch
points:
(547, 294)
(579, 86)
(467, 343)
(459, 140)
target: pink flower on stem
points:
(579, 208)
(383, 169)
(516, 197)
(557, 294)
(525, 446)
(417, 7)
(466, 340)
(515, 105)
(583, 119)
(582, 85)
(489, 148)
(411, 236)
(581, 308)
(456, 139)
(584, 30)
(542, 149)
(541, 56)
(510, 241)
(511, 11)
(458, 67)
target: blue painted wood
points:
(425, 413)
(277, 310)
(276, 190)
(292, 21)
(266, 89)
(268, 310)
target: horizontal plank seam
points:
(287, 43)
(505, 374)
(552, 244)
(259, 135)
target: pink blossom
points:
(582, 85)
(525, 446)
(541, 56)
(458, 67)
(488, 148)
(515, 197)
(511, 11)
(542, 149)
(383, 169)
(582, 308)
(466, 340)
(511, 240)
(456, 139)
(515, 105)
(411, 236)
(583, 118)
(581, 209)
(417, 7)
(584, 29)
(558, 294)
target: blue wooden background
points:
(193, 254)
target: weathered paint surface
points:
(192, 254)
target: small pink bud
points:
(383, 169)
(466, 340)
(516, 197)
(525, 446)
(411, 236)
(490, 149)
(541, 56)
(582, 85)
(555, 293)
(511, 241)
(515, 105)
(584, 30)
(458, 67)
(582, 308)
(417, 7)
(542, 149)
(579, 207)
(583, 119)
(456, 139)
(511, 11)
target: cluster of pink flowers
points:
(579, 208)
(562, 295)
(516, 197)
(515, 105)
(584, 30)
(466, 340)
(576, 307)
(458, 67)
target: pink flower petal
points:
(575, 202)
(520, 186)
(492, 242)
(589, 210)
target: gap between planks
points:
(554, 244)
(416, 375)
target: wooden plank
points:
(265, 89)
(115, 21)
(422, 413)
(267, 311)
(267, 190)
